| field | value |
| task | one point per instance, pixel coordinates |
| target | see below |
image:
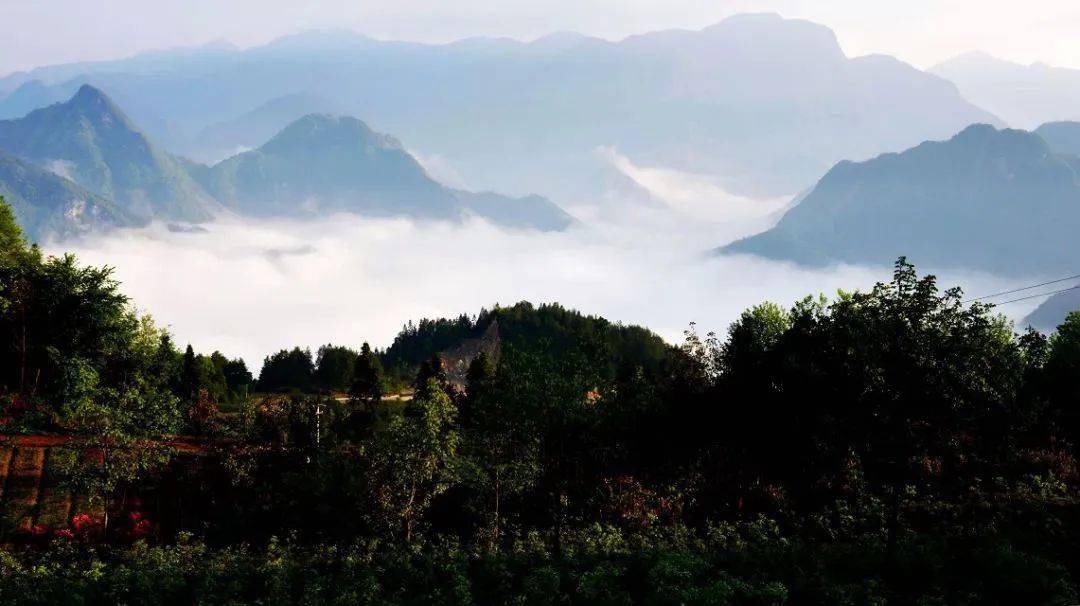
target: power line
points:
(1009, 292)
(1045, 294)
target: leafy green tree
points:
(499, 457)
(287, 370)
(334, 367)
(238, 379)
(412, 460)
(1063, 376)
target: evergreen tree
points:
(367, 376)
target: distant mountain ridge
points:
(1022, 95)
(322, 163)
(83, 164)
(995, 200)
(765, 102)
(1063, 137)
(255, 127)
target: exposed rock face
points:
(456, 362)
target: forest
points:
(894, 446)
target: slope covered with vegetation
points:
(46, 204)
(92, 142)
(1000, 201)
(889, 446)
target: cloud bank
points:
(250, 287)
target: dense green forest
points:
(895, 446)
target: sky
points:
(922, 32)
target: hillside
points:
(548, 329)
(1052, 312)
(89, 140)
(993, 200)
(47, 205)
(322, 164)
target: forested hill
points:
(524, 326)
(448, 347)
(995, 200)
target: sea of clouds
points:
(250, 287)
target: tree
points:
(237, 378)
(411, 460)
(190, 379)
(904, 377)
(287, 370)
(499, 456)
(334, 367)
(1062, 372)
(108, 455)
(12, 244)
(367, 379)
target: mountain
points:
(47, 205)
(1022, 95)
(767, 103)
(1051, 313)
(34, 95)
(324, 164)
(90, 141)
(994, 200)
(252, 128)
(1062, 137)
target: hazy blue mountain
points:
(35, 95)
(768, 103)
(1022, 95)
(90, 141)
(322, 164)
(1051, 313)
(47, 205)
(988, 199)
(252, 128)
(1063, 137)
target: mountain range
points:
(83, 164)
(766, 103)
(1024, 96)
(89, 140)
(1001, 201)
(322, 164)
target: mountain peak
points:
(990, 199)
(328, 130)
(100, 149)
(90, 94)
(96, 105)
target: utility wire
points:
(1045, 294)
(1009, 292)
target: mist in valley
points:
(249, 287)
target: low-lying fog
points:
(250, 287)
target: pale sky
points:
(922, 32)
